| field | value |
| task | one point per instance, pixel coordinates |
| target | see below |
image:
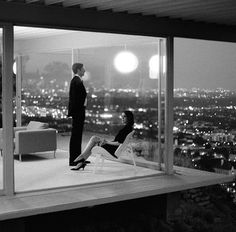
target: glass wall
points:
(204, 105)
(122, 73)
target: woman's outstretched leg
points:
(94, 140)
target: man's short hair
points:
(76, 66)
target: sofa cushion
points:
(34, 125)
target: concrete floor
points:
(41, 171)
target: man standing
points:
(76, 110)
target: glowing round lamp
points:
(164, 64)
(154, 67)
(125, 62)
(14, 68)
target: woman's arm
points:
(111, 143)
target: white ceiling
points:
(35, 32)
(30, 39)
(25, 33)
(209, 11)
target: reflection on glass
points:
(45, 84)
(125, 62)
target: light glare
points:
(14, 68)
(125, 62)
(154, 71)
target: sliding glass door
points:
(126, 73)
(129, 74)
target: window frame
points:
(8, 148)
(7, 110)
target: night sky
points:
(205, 64)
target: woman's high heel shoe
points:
(83, 165)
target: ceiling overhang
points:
(54, 16)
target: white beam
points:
(160, 121)
(18, 90)
(31, 1)
(50, 2)
(72, 2)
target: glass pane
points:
(204, 111)
(114, 91)
(161, 104)
(120, 76)
(1, 137)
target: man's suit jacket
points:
(77, 96)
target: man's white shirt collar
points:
(78, 76)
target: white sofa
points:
(35, 137)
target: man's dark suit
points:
(76, 110)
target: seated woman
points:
(110, 146)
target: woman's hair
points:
(130, 117)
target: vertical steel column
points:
(7, 110)
(1, 54)
(74, 57)
(159, 105)
(169, 105)
(72, 60)
(18, 89)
